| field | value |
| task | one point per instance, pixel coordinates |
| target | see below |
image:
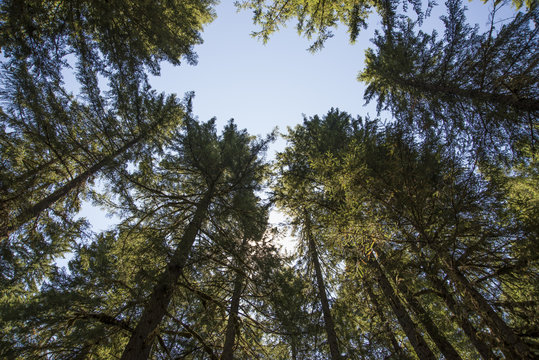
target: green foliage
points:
(316, 18)
(425, 227)
(373, 187)
(464, 86)
(122, 32)
(55, 143)
(529, 4)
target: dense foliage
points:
(417, 237)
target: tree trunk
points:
(374, 300)
(435, 334)
(233, 314)
(439, 339)
(34, 211)
(519, 104)
(462, 319)
(416, 339)
(511, 345)
(482, 348)
(141, 340)
(328, 319)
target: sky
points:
(264, 86)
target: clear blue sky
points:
(264, 86)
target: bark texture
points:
(141, 340)
(416, 339)
(328, 319)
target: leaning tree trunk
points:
(36, 209)
(416, 339)
(510, 344)
(462, 319)
(461, 316)
(328, 319)
(233, 313)
(374, 300)
(141, 340)
(435, 334)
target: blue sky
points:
(264, 86)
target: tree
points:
(398, 351)
(37, 37)
(297, 193)
(419, 344)
(293, 315)
(219, 167)
(408, 247)
(322, 292)
(419, 217)
(166, 207)
(55, 143)
(445, 347)
(386, 188)
(482, 87)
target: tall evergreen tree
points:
(166, 211)
(218, 167)
(55, 140)
(481, 87)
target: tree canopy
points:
(417, 235)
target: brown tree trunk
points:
(233, 314)
(141, 340)
(328, 319)
(462, 319)
(435, 334)
(439, 339)
(416, 339)
(511, 345)
(518, 103)
(34, 211)
(374, 300)
(461, 316)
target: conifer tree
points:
(316, 19)
(468, 85)
(55, 140)
(215, 168)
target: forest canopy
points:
(417, 230)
